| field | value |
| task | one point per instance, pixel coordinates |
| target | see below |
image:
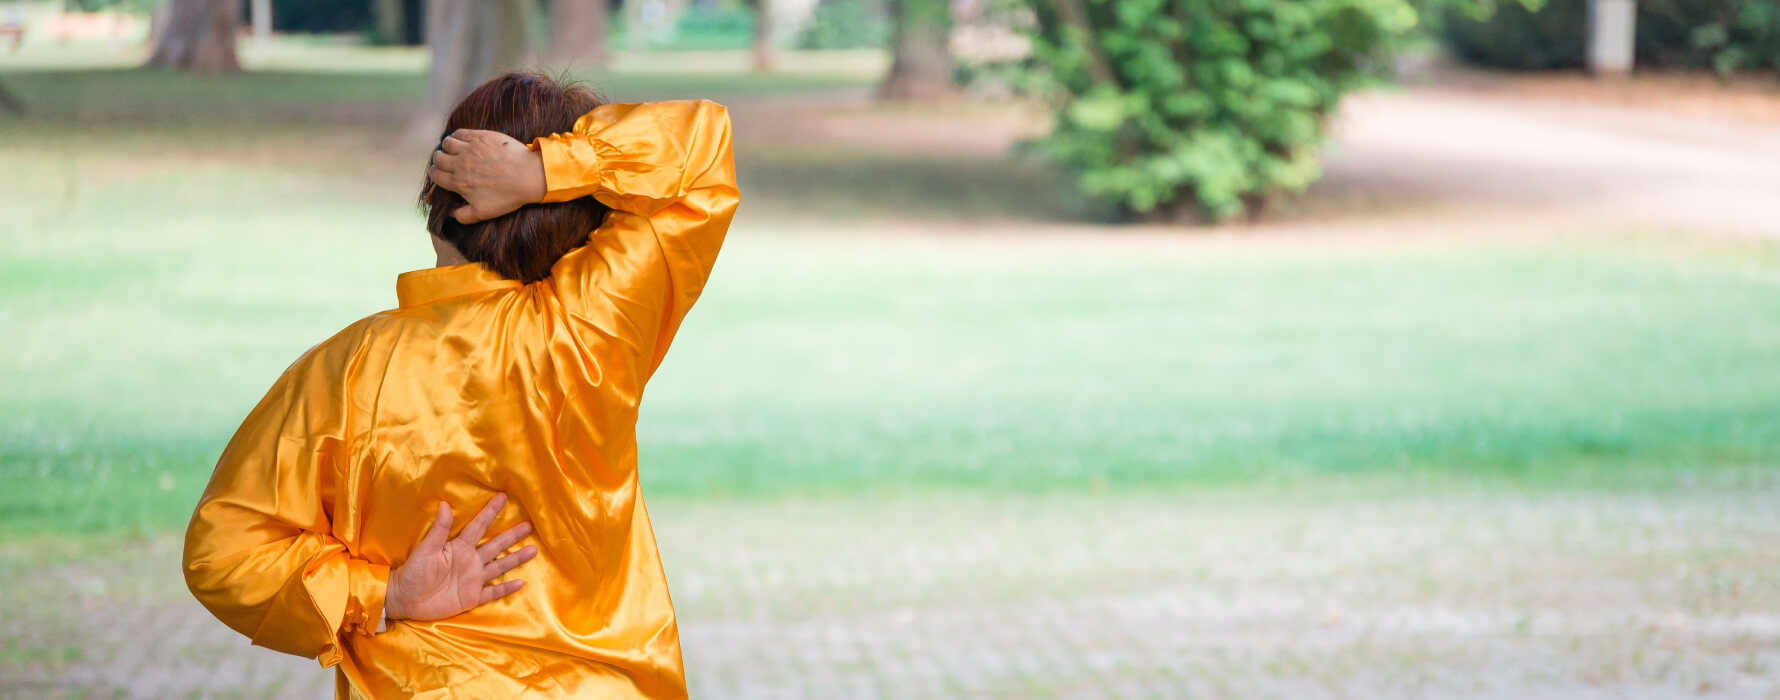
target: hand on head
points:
(493, 172)
(444, 577)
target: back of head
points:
(522, 245)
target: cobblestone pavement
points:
(1474, 595)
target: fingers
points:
(478, 526)
(454, 144)
(500, 590)
(501, 542)
(445, 162)
(496, 568)
(437, 535)
(465, 214)
(470, 135)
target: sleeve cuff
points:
(364, 606)
(571, 167)
(363, 590)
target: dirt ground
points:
(1663, 152)
(1462, 595)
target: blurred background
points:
(1061, 348)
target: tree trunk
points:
(199, 36)
(8, 103)
(510, 23)
(764, 59)
(390, 17)
(578, 33)
(922, 69)
(471, 41)
(157, 22)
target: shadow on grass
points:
(154, 95)
(822, 185)
(791, 181)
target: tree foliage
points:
(1517, 38)
(1727, 36)
(1204, 109)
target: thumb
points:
(466, 214)
(436, 535)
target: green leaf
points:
(1104, 112)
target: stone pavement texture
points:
(1461, 595)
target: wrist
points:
(537, 186)
(392, 603)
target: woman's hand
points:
(492, 171)
(442, 577)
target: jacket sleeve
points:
(668, 172)
(260, 552)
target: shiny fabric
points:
(477, 385)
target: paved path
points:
(1586, 161)
(1624, 166)
(1559, 596)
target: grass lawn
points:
(171, 244)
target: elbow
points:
(197, 560)
(203, 578)
(209, 575)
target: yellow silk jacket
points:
(478, 384)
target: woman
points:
(508, 381)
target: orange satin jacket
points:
(476, 385)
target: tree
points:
(764, 60)
(198, 36)
(578, 33)
(390, 18)
(922, 68)
(470, 41)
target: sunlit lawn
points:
(168, 245)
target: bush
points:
(1203, 109)
(1516, 38)
(1727, 36)
(320, 16)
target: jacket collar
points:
(422, 287)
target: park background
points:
(1008, 384)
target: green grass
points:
(163, 259)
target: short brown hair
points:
(525, 244)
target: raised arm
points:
(667, 171)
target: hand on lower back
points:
(444, 577)
(493, 172)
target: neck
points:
(448, 253)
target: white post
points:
(636, 35)
(262, 24)
(1613, 33)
